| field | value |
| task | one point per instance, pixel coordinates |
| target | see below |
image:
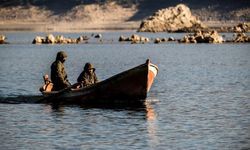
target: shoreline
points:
(81, 27)
(67, 27)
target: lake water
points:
(199, 100)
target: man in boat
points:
(88, 76)
(58, 73)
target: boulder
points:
(160, 40)
(60, 39)
(203, 37)
(50, 39)
(171, 39)
(134, 39)
(98, 36)
(241, 38)
(38, 40)
(81, 39)
(2, 39)
(157, 40)
(172, 19)
(123, 38)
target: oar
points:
(69, 88)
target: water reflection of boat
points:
(152, 127)
(130, 86)
(151, 116)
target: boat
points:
(131, 86)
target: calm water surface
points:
(199, 100)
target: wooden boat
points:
(130, 86)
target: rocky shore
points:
(240, 38)
(200, 36)
(134, 39)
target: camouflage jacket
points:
(87, 79)
(59, 76)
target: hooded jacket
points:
(58, 73)
(86, 78)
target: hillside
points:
(111, 14)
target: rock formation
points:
(134, 39)
(203, 37)
(160, 40)
(60, 39)
(241, 38)
(98, 36)
(172, 19)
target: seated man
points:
(88, 76)
(58, 73)
(48, 85)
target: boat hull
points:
(130, 86)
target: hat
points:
(61, 55)
(89, 66)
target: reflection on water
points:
(152, 125)
(145, 112)
(151, 116)
(54, 108)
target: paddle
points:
(69, 88)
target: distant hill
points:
(111, 14)
(205, 9)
